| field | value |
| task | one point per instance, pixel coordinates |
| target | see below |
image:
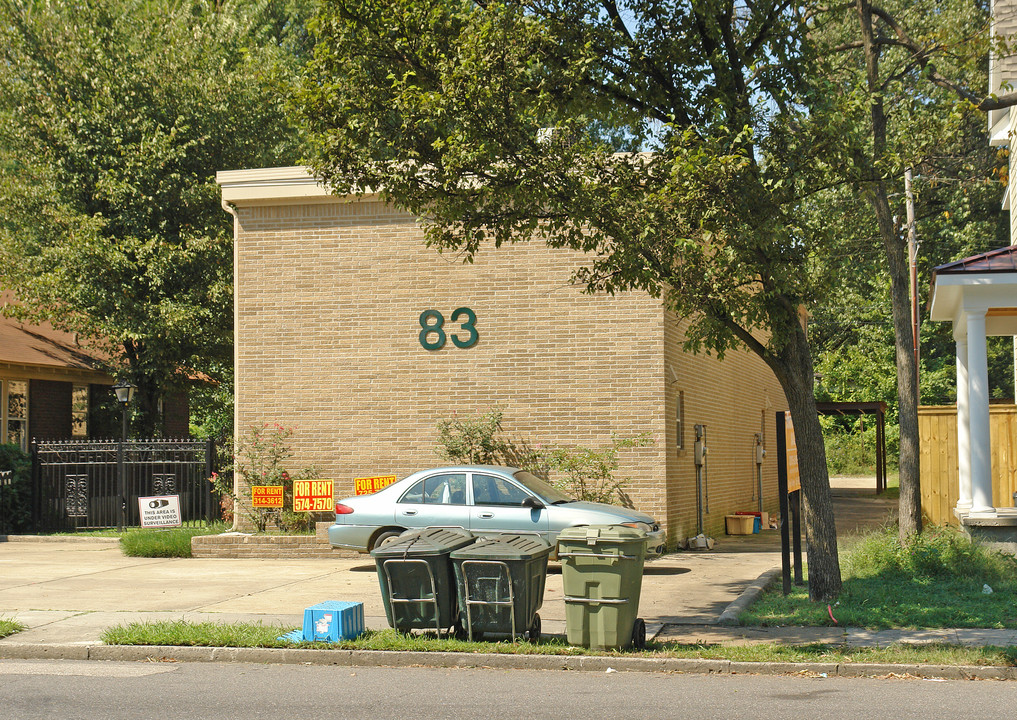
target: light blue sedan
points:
(484, 499)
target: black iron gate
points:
(77, 483)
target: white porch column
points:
(963, 426)
(978, 407)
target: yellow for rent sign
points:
(313, 496)
(267, 496)
(368, 485)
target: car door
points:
(437, 500)
(497, 507)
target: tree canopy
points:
(675, 143)
(907, 80)
(114, 117)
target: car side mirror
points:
(533, 503)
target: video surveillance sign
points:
(161, 511)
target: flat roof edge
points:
(279, 184)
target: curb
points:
(449, 660)
(747, 598)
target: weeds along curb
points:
(582, 663)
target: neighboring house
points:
(969, 451)
(50, 386)
(54, 388)
(350, 329)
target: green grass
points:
(172, 542)
(247, 635)
(9, 627)
(936, 581)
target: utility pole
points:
(913, 266)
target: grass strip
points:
(266, 636)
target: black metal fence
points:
(77, 483)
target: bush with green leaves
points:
(15, 493)
(260, 459)
(582, 472)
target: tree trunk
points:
(910, 510)
(794, 371)
(910, 502)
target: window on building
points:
(17, 413)
(79, 411)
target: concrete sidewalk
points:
(70, 591)
(67, 591)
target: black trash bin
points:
(416, 578)
(500, 584)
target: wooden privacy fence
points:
(937, 427)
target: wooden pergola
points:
(865, 408)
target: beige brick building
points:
(329, 294)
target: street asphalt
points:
(67, 591)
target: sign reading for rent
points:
(313, 496)
(368, 485)
(267, 496)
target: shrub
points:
(260, 460)
(16, 495)
(585, 473)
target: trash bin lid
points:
(425, 542)
(504, 547)
(596, 534)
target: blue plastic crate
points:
(333, 620)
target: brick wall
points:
(734, 399)
(328, 299)
(239, 545)
(49, 409)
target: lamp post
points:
(125, 393)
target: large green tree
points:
(114, 117)
(906, 77)
(673, 142)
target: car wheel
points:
(385, 537)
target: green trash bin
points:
(501, 585)
(416, 578)
(602, 575)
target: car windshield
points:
(548, 492)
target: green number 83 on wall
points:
(432, 329)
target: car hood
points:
(614, 511)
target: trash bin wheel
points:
(459, 631)
(639, 634)
(533, 634)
